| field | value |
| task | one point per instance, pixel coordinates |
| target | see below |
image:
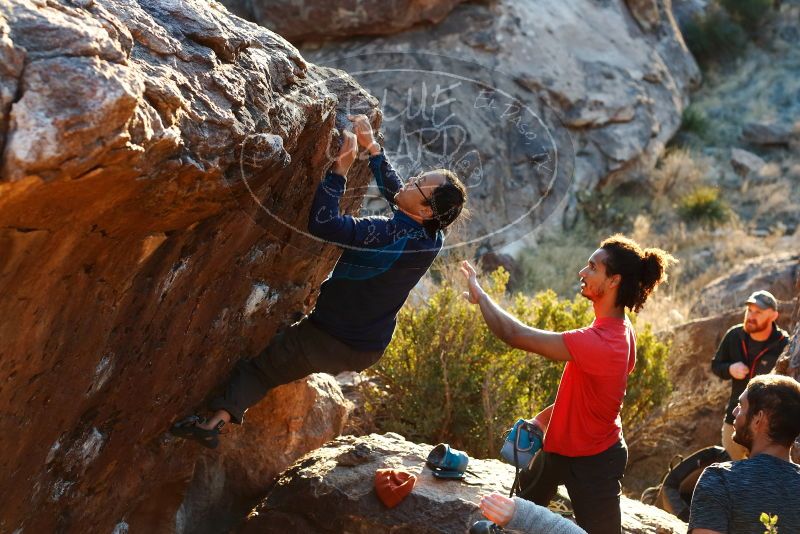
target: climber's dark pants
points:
(594, 484)
(298, 351)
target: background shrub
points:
(703, 205)
(678, 172)
(714, 37)
(748, 13)
(695, 123)
(447, 378)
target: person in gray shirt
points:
(731, 496)
(525, 517)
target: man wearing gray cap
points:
(747, 350)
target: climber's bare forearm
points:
(508, 328)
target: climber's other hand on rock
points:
(347, 154)
(363, 131)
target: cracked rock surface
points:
(789, 362)
(617, 75)
(136, 266)
(776, 273)
(321, 19)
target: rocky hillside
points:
(157, 161)
(530, 101)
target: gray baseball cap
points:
(763, 299)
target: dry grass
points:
(678, 173)
(704, 253)
(555, 262)
(664, 310)
(769, 201)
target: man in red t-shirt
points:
(583, 445)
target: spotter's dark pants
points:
(296, 352)
(594, 484)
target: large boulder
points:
(540, 92)
(774, 272)
(301, 20)
(745, 163)
(291, 421)
(789, 362)
(331, 490)
(137, 266)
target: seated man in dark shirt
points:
(356, 311)
(731, 496)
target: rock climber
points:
(354, 318)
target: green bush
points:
(447, 378)
(695, 121)
(703, 205)
(714, 37)
(748, 13)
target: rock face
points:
(331, 490)
(776, 273)
(540, 89)
(290, 421)
(136, 268)
(767, 133)
(317, 19)
(745, 163)
(789, 362)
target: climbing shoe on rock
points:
(447, 463)
(188, 428)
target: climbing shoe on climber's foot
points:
(188, 429)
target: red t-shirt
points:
(585, 419)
